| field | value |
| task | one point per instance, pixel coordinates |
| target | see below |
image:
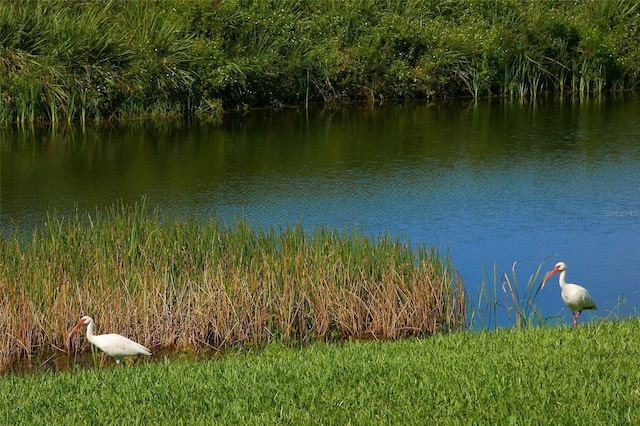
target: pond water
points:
(492, 183)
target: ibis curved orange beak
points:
(77, 326)
(547, 276)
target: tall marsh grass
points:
(503, 295)
(183, 284)
(77, 60)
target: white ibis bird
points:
(576, 297)
(112, 344)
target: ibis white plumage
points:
(576, 297)
(112, 344)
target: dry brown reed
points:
(185, 284)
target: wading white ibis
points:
(112, 344)
(576, 297)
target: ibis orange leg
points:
(575, 318)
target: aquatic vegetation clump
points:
(184, 284)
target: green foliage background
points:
(102, 59)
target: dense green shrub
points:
(77, 60)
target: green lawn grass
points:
(545, 375)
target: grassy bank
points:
(184, 284)
(62, 61)
(534, 376)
